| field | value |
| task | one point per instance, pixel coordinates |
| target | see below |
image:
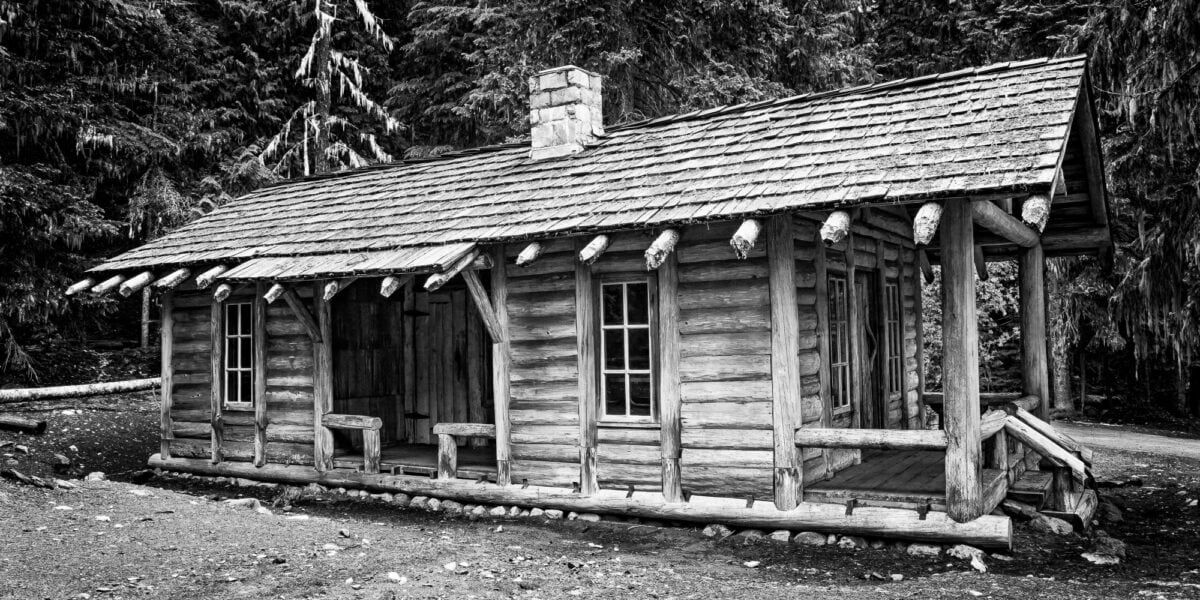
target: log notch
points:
(744, 238)
(663, 245)
(260, 375)
(592, 251)
(217, 404)
(585, 323)
(391, 283)
(207, 278)
(501, 360)
(994, 219)
(135, 283)
(1035, 374)
(322, 381)
(80, 286)
(1035, 211)
(925, 223)
(529, 254)
(172, 279)
(960, 366)
(785, 360)
(167, 335)
(670, 400)
(836, 227)
(108, 284)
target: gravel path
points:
(1117, 438)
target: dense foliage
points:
(121, 119)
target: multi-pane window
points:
(839, 344)
(239, 355)
(626, 351)
(895, 338)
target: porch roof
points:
(997, 129)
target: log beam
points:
(529, 254)
(437, 280)
(173, 279)
(333, 287)
(876, 439)
(745, 237)
(925, 223)
(135, 283)
(592, 251)
(391, 283)
(486, 312)
(80, 286)
(108, 284)
(926, 268)
(207, 278)
(222, 292)
(303, 315)
(836, 227)
(1035, 211)
(663, 245)
(994, 219)
(274, 293)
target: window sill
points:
(239, 407)
(629, 425)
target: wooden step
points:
(1031, 488)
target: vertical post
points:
(823, 376)
(669, 399)
(585, 323)
(217, 335)
(999, 458)
(857, 389)
(919, 321)
(960, 337)
(885, 341)
(166, 326)
(785, 360)
(145, 337)
(501, 359)
(259, 341)
(322, 381)
(1034, 369)
(447, 456)
(370, 437)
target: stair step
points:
(1031, 488)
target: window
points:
(626, 351)
(839, 344)
(894, 330)
(239, 355)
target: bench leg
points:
(370, 450)
(447, 456)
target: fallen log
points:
(22, 424)
(78, 391)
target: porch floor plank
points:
(896, 479)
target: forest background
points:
(123, 119)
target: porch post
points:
(960, 335)
(1034, 369)
(322, 381)
(589, 387)
(501, 359)
(785, 360)
(669, 398)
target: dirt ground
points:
(170, 537)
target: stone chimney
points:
(564, 111)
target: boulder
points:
(536, 512)
(571, 516)
(433, 505)
(781, 535)
(831, 539)
(554, 514)
(589, 517)
(717, 531)
(418, 502)
(1051, 525)
(452, 507)
(932, 550)
(514, 511)
(479, 511)
(94, 476)
(497, 511)
(809, 538)
(401, 499)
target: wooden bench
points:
(448, 434)
(369, 426)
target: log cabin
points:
(711, 317)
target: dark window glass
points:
(614, 349)
(639, 395)
(639, 349)
(614, 393)
(639, 303)
(613, 313)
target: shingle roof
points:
(998, 128)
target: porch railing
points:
(448, 434)
(369, 426)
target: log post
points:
(217, 387)
(447, 465)
(371, 449)
(960, 337)
(260, 376)
(1035, 374)
(823, 376)
(322, 381)
(785, 360)
(501, 359)
(166, 333)
(585, 323)
(919, 322)
(669, 398)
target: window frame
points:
(655, 362)
(245, 332)
(893, 326)
(842, 328)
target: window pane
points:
(614, 349)
(639, 303)
(247, 387)
(612, 312)
(614, 395)
(231, 354)
(639, 349)
(639, 395)
(230, 386)
(246, 352)
(245, 318)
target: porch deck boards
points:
(421, 459)
(897, 479)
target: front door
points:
(869, 348)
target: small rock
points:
(718, 531)
(809, 538)
(1103, 544)
(781, 535)
(852, 541)
(897, 577)
(395, 577)
(298, 517)
(554, 513)
(525, 512)
(831, 539)
(451, 506)
(1051, 525)
(924, 550)
(401, 499)
(314, 489)
(1002, 557)
(356, 493)
(964, 552)
(103, 518)
(64, 484)
(479, 511)
(433, 505)
(589, 517)
(571, 516)
(94, 476)
(751, 564)
(1108, 513)
(340, 491)
(878, 544)
(418, 502)
(450, 566)
(536, 512)
(748, 536)
(497, 511)
(384, 497)
(1100, 559)
(514, 511)
(899, 546)
(978, 564)
(344, 533)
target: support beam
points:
(501, 359)
(670, 401)
(592, 251)
(1035, 369)
(222, 292)
(437, 280)
(322, 381)
(333, 287)
(166, 367)
(315, 332)
(925, 223)
(980, 263)
(992, 218)
(744, 238)
(274, 293)
(589, 388)
(926, 268)
(486, 313)
(960, 367)
(260, 375)
(108, 284)
(391, 283)
(785, 359)
(836, 227)
(1035, 211)
(1046, 447)
(663, 245)
(207, 278)
(173, 279)
(823, 375)
(80, 286)
(529, 254)
(135, 283)
(876, 439)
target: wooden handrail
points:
(369, 426)
(879, 439)
(480, 430)
(448, 443)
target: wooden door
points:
(368, 357)
(868, 361)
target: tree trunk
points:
(145, 340)
(323, 74)
(1193, 391)
(1060, 366)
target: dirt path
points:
(1117, 438)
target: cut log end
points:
(658, 251)
(207, 278)
(925, 223)
(745, 237)
(1035, 211)
(274, 293)
(591, 252)
(835, 228)
(80, 286)
(390, 284)
(529, 254)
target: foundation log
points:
(880, 439)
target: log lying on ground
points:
(988, 531)
(78, 391)
(23, 425)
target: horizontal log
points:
(879, 439)
(135, 283)
(1049, 431)
(15, 423)
(1045, 446)
(479, 430)
(78, 391)
(80, 286)
(988, 531)
(994, 219)
(337, 421)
